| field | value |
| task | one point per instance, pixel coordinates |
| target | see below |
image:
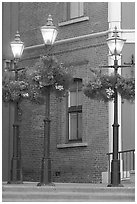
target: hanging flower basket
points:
(47, 72)
(102, 87)
(33, 81)
(14, 91)
(126, 88)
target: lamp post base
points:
(16, 172)
(45, 184)
(112, 185)
(15, 182)
(45, 173)
(115, 174)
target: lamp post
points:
(115, 44)
(17, 47)
(49, 33)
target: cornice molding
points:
(124, 32)
(70, 40)
(63, 50)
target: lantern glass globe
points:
(49, 32)
(17, 46)
(115, 43)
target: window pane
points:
(81, 10)
(79, 98)
(75, 94)
(73, 99)
(72, 126)
(79, 85)
(73, 9)
(76, 9)
(79, 125)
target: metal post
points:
(46, 160)
(16, 163)
(115, 164)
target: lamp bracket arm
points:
(118, 66)
(132, 63)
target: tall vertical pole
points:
(16, 163)
(115, 164)
(46, 160)
(49, 34)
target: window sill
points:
(76, 20)
(60, 146)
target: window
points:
(74, 10)
(75, 111)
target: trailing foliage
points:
(126, 88)
(32, 82)
(14, 90)
(102, 87)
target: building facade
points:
(81, 129)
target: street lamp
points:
(49, 33)
(115, 44)
(17, 47)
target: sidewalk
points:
(29, 191)
(95, 185)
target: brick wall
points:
(71, 164)
(33, 15)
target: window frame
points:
(74, 109)
(68, 11)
